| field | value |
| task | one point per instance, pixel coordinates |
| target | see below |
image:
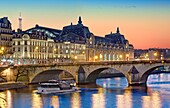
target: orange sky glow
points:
(144, 24)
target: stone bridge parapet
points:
(136, 72)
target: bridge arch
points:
(51, 74)
(95, 74)
(146, 74)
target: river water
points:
(114, 94)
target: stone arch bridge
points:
(136, 72)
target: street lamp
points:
(127, 57)
(75, 57)
(120, 56)
(155, 54)
(146, 56)
(95, 58)
(2, 48)
(55, 49)
(36, 48)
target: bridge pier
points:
(134, 78)
(81, 75)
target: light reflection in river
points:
(9, 99)
(55, 102)
(125, 100)
(153, 101)
(98, 100)
(114, 95)
(3, 100)
(36, 100)
(6, 99)
(76, 100)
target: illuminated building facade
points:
(32, 48)
(39, 45)
(112, 47)
(5, 38)
(72, 43)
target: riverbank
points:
(12, 85)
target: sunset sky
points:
(145, 23)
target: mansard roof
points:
(99, 39)
(39, 36)
(49, 32)
(116, 38)
(73, 38)
(78, 29)
(5, 20)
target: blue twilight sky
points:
(145, 23)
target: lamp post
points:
(75, 58)
(146, 56)
(2, 49)
(120, 56)
(127, 57)
(155, 55)
(95, 58)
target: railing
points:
(98, 63)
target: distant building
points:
(165, 53)
(152, 54)
(140, 54)
(5, 38)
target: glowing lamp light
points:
(127, 55)
(75, 57)
(36, 47)
(146, 55)
(101, 56)
(96, 57)
(155, 54)
(2, 48)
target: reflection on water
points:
(98, 100)
(117, 82)
(5, 99)
(36, 100)
(153, 101)
(76, 100)
(115, 94)
(55, 102)
(9, 99)
(125, 100)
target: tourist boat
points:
(56, 86)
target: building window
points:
(25, 42)
(25, 49)
(18, 42)
(18, 49)
(66, 51)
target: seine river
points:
(114, 94)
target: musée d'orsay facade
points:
(74, 43)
